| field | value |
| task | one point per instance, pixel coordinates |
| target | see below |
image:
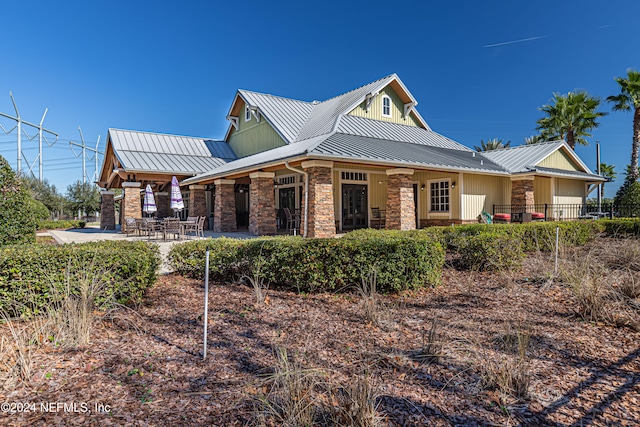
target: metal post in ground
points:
(206, 302)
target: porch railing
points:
(572, 211)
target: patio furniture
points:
(501, 217)
(147, 226)
(291, 220)
(200, 230)
(171, 226)
(537, 216)
(194, 225)
(130, 225)
(378, 218)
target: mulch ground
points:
(145, 367)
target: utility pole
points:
(20, 131)
(83, 153)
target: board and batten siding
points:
(542, 190)
(481, 192)
(559, 160)
(569, 191)
(375, 109)
(253, 137)
(423, 178)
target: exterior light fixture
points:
(453, 184)
(422, 187)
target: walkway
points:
(92, 234)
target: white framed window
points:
(386, 106)
(439, 197)
(247, 113)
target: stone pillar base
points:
(400, 203)
(224, 211)
(107, 211)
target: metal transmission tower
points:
(41, 137)
(83, 153)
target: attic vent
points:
(354, 176)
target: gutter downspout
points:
(306, 196)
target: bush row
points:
(308, 265)
(28, 272)
(56, 224)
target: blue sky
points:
(174, 67)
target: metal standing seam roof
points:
(286, 115)
(145, 151)
(567, 173)
(523, 157)
(325, 114)
(362, 126)
(369, 149)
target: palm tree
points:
(607, 171)
(533, 139)
(492, 144)
(571, 117)
(628, 98)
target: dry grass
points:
(508, 374)
(355, 404)
(289, 401)
(369, 300)
(605, 282)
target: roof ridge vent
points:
(473, 154)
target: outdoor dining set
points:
(171, 226)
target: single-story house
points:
(338, 161)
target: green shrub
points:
(17, 218)
(27, 272)
(40, 211)
(490, 252)
(60, 224)
(626, 227)
(310, 265)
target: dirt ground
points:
(145, 367)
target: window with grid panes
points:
(439, 196)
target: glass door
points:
(354, 206)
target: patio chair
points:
(172, 226)
(289, 216)
(378, 218)
(130, 225)
(147, 226)
(200, 230)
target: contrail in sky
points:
(515, 41)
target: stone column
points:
(197, 200)
(522, 199)
(400, 203)
(262, 204)
(321, 221)
(107, 211)
(224, 209)
(162, 203)
(131, 205)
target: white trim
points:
(247, 112)
(408, 108)
(460, 186)
(390, 114)
(417, 201)
(438, 214)
(368, 100)
(234, 121)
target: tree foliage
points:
(571, 117)
(609, 172)
(83, 196)
(45, 193)
(17, 217)
(492, 144)
(627, 100)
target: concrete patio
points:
(92, 234)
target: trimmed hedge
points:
(309, 265)
(629, 227)
(57, 224)
(17, 215)
(27, 272)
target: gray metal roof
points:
(339, 146)
(326, 113)
(287, 116)
(362, 126)
(154, 152)
(569, 174)
(352, 147)
(523, 157)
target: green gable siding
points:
(253, 137)
(375, 109)
(559, 160)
